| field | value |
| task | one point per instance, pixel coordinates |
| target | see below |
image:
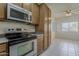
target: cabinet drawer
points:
(2, 47)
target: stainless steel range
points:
(21, 42)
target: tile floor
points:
(63, 47)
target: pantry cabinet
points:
(39, 44)
(44, 25)
(49, 26)
(3, 49)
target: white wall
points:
(67, 35)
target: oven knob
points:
(8, 29)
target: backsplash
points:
(4, 25)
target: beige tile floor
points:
(63, 47)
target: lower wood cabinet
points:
(46, 42)
(39, 44)
(3, 49)
(4, 54)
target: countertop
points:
(3, 40)
(37, 33)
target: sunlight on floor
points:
(63, 47)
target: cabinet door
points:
(40, 27)
(27, 6)
(39, 45)
(2, 11)
(18, 4)
(44, 25)
(46, 28)
(49, 27)
(45, 36)
(3, 49)
(35, 14)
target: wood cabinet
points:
(44, 24)
(46, 36)
(19, 4)
(2, 11)
(44, 20)
(27, 6)
(35, 14)
(39, 44)
(3, 49)
(34, 8)
(49, 25)
(40, 27)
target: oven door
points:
(26, 48)
(17, 13)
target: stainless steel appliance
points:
(17, 13)
(21, 43)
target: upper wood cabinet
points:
(35, 14)
(19, 4)
(34, 8)
(2, 11)
(27, 6)
(40, 27)
(43, 17)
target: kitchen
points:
(25, 29)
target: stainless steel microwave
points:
(17, 13)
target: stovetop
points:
(15, 38)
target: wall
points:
(10, 24)
(53, 26)
(67, 35)
(53, 29)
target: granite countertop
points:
(3, 40)
(37, 33)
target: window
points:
(65, 26)
(70, 26)
(73, 26)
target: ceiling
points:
(59, 8)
